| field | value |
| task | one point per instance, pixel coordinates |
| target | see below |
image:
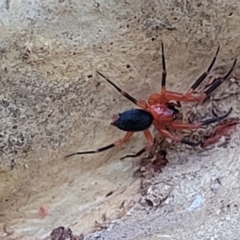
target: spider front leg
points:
(197, 82)
(204, 75)
(175, 138)
(189, 96)
(164, 73)
(178, 126)
(195, 98)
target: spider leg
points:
(204, 75)
(139, 153)
(149, 138)
(164, 72)
(219, 81)
(102, 149)
(196, 83)
(117, 143)
(194, 98)
(175, 138)
(164, 77)
(141, 104)
(177, 125)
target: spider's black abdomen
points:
(133, 120)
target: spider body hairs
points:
(161, 111)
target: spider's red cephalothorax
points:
(161, 111)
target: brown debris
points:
(100, 225)
(225, 129)
(160, 161)
(62, 233)
(148, 168)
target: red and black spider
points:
(161, 111)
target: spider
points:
(161, 111)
